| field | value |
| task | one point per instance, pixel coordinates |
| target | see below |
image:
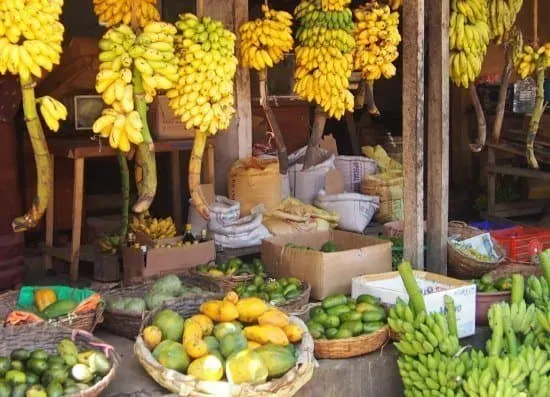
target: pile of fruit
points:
(276, 292)
(502, 17)
(487, 284)
(109, 244)
(154, 228)
(233, 267)
(241, 340)
(113, 12)
(48, 306)
(164, 289)
(40, 374)
(340, 317)
(327, 247)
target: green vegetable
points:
(334, 300)
(338, 310)
(32, 378)
(5, 389)
(293, 294)
(374, 316)
(60, 308)
(328, 247)
(99, 363)
(39, 354)
(54, 389)
(167, 285)
(371, 327)
(37, 366)
(316, 310)
(332, 322)
(16, 364)
(155, 300)
(356, 327)
(343, 333)
(350, 316)
(365, 298)
(67, 348)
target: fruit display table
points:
(81, 149)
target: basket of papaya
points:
(45, 361)
(231, 347)
(127, 306)
(343, 327)
(288, 294)
(231, 273)
(58, 305)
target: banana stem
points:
(504, 84)
(371, 104)
(518, 288)
(282, 153)
(481, 122)
(195, 166)
(413, 290)
(451, 315)
(537, 113)
(148, 186)
(313, 152)
(125, 189)
(41, 157)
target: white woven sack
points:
(244, 225)
(356, 210)
(223, 212)
(250, 239)
(353, 170)
(304, 185)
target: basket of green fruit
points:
(343, 327)
(288, 294)
(127, 306)
(46, 361)
(231, 273)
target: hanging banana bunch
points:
(502, 17)
(30, 40)
(203, 97)
(113, 12)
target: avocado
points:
(39, 354)
(37, 366)
(20, 354)
(56, 360)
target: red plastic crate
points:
(522, 243)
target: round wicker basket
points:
(295, 305)
(47, 337)
(226, 283)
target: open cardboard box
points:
(327, 273)
(389, 286)
(165, 124)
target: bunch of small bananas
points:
(121, 128)
(203, 96)
(324, 57)
(528, 58)
(109, 244)
(155, 228)
(113, 12)
(265, 41)
(376, 36)
(334, 5)
(469, 37)
(502, 16)
(52, 111)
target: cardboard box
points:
(139, 264)
(165, 125)
(327, 273)
(389, 286)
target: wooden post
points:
(438, 136)
(413, 130)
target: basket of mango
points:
(231, 273)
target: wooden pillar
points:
(438, 135)
(413, 130)
(236, 142)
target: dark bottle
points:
(188, 237)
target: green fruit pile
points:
(340, 317)
(40, 374)
(233, 267)
(327, 247)
(276, 292)
(488, 285)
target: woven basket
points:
(185, 385)
(295, 305)
(128, 325)
(390, 192)
(348, 347)
(226, 283)
(84, 321)
(464, 266)
(46, 337)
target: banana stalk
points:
(282, 153)
(312, 152)
(195, 167)
(371, 104)
(451, 315)
(148, 184)
(537, 113)
(481, 122)
(504, 84)
(413, 290)
(125, 189)
(41, 157)
(518, 288)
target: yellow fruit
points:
(152, 336)
(228, 312)
(191, 330)
(211, 309)
(196, 348)
(205, 322)
(232, 297)
(43, 298)
(246, 367)
(207, 368)
(264, 334)
(293, 332)
(274, 317)
(250, 309)
(253, 345)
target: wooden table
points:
(80, 149)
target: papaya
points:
(246, 366)
(219, 311)
(264, 334)
(59, 308)
(173, 356)
(170, 323)
(274, 317)
(250, 309)
(232, 297)
(293, 332)
(44, 297)
(212, 343)
(233, 343)
(191, 330)
(196, 348)
(205, 322)
(228, 311)
(207, 368)
(222, 329)
(253, 345)
(277, 359)
(152, 336)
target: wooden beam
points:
(413, 130)
(524, 172)
(438, 136)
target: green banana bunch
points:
(341, 20)
(469, 37)
(537, 291)
(401, 318)
(539, 385)
(502, 377)
(502, 17)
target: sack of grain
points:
(356, 210)
(353, 170)
(389, 188)
(304, 185)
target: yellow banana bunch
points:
(528, 58)
(502, 17)
(264, 42)
(334, 5)
(469, 37)
(155, 228)
(121, 128)
(324, 57)
(395, 4)
(376, 37)
(109, 244)
(203, 95)
(30, 36)
(113, 12)
(52, 111)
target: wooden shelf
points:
(523, 172)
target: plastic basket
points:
(522, 243)
(489, 225)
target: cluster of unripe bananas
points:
(203, 95)
(126, 58)
(113, 12)
(324, 57)
(469, 37)
(502, 17)
(527, 59)
(265, 41)
(376, 37)
(154, 228)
